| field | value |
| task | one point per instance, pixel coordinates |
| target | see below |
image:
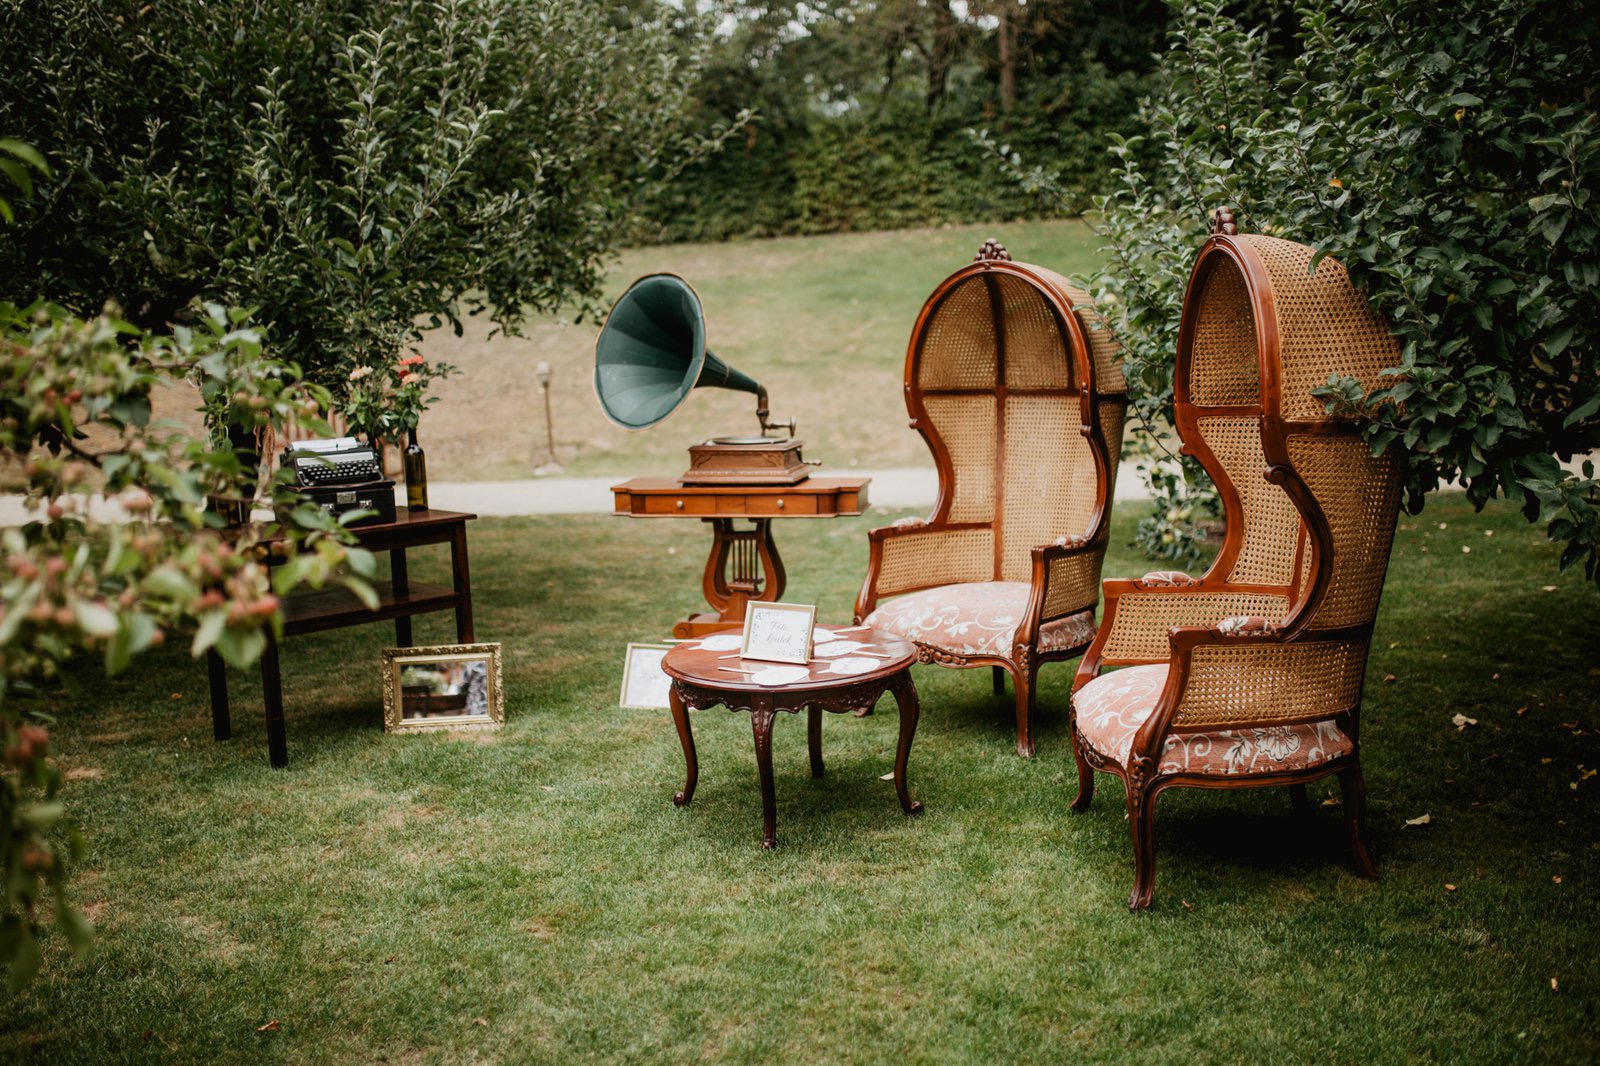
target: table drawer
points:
(679, 504)
(779, 506)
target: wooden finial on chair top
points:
(1222, 223)
(992, 250)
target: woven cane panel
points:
(958, 348)
(966, 424)
(1254, 684)
(1036, 351)
(1073, 582)
(1104, 348)
(1050, 480)
(1324, 326)
(1225, 366)
(1139, 629)
(1271, 521)
(1360, 496)
(1112, 416)
(947, 557)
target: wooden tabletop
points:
(716, 667)
(666, 497)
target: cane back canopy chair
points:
(1252, 674)
(1016, 385)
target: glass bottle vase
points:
(415, 463)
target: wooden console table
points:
(399, 599)
(744, 563)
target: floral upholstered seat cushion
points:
(976, 618)
(1111, 708)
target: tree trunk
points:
(939, 54)
(1007, 36)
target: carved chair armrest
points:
(1248, 671)
(1066, 579)
(1138, 618)
(915, 553)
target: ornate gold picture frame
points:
(442, 686)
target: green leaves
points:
(1466, 159)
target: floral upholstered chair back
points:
(1252, 673)
(1016, 385)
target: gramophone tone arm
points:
(762, 411)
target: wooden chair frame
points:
(1212, 597)
(1072, 559)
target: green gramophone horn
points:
(651, 354)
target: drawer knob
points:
(679, 505)
(780, 505)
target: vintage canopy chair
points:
(1252, 674)
(1016, 385)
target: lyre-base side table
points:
(744, 564)
(705, 678)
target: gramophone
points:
(651, 353)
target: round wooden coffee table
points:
(706, 672)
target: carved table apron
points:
(699, 680)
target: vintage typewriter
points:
(341, 475)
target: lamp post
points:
(541, 374)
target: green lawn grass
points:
(533, 895)
(821, 321)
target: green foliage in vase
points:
(74, 417)
(1449, 158)
(359, 171)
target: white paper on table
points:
(854, 664)
(722, 642)
(822, 636)
(835, 648)
(780, 675)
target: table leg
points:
(744, 565)
(905, 695)
(272, 693)
(401, 579)
(221, 721)
(462, 581)
(814, 739)
(680, 718)
(761, 715)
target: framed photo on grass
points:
(644, 683)
(778, 632)
(445, 686)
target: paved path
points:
(898, 488)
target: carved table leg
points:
(680, 718)
(743, 565)
(814, 739)
(761, 716)
(905, 695)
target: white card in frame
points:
(778, 632)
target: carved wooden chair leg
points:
(1300, 799)
(1085, 796)
(999, 676)
(1141, 825)
(1354, 789)
(1022, 680)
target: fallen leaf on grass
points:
(887, 777)
(1520, 711)
(390, 959)
(1388, 679)
(1549, 588)
(1186, 905)
(177, 696)
(1461, 721)
(1583, 775)
(1330, 802)
(1449, 887)
(1555, 986)
(1556, 879)
(1424, 819)
(1466, 549)
(270, 1027)
(480, 1021)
